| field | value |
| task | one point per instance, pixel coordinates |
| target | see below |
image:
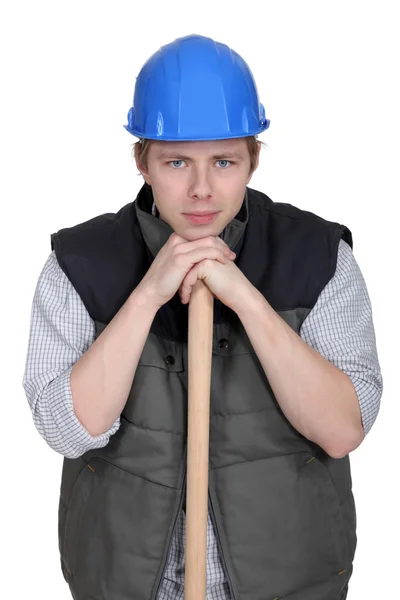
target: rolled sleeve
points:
(64, 432)
(340, 327)
(61, 330)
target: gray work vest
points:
(283, 509)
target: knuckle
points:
(208, 262)
(175, 251)
(210, 240)
(175, 238)
(178, 259)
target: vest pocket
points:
(284, 523)
(115, 531)
(325, 491)
(70, 515)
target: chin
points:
(191, 233)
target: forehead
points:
(203, 149)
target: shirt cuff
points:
(369, 394)
(66, 433)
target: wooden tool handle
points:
(200, 334)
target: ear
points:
(143, 171)
(256, 163)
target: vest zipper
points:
(161, 575)
(214, 522)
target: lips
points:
(201, 214)
(202, 218)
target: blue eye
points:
(176, 166)
(224, 161)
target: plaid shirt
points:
(340, 327)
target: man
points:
(295, 380)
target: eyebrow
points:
(220, 156)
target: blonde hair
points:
(141, 150)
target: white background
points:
(328, 76)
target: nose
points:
(200, 185)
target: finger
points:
(207, 242)
(186, 261)
(225, 247)
(175, 239)
(203, 253)
(188, 283)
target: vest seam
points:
(304, 317)
(274, 209)
(250, 412)
(345, 499)
(305, 215)
(259, 459)
(292, 308)
(150, 428)
(134, 474)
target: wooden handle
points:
(200, 334)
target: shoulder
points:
(103, 258)
(348, 276)
(101, 228)
(291, 216)
(52, 275)
(299, 250)
(55, 292)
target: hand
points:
(226, 281)
(175, 260)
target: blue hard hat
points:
(195, 89)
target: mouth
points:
(200, 218)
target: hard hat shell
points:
(195, 89)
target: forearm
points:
(318, 399)
(57, 423)
(102, 378)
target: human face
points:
(198, 177)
